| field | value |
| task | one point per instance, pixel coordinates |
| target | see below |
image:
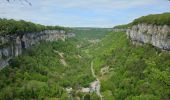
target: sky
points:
(81, 13)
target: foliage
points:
(155, 19)
(20, 27)
(136, 72)
(39, 74)
(125, 26)
(90, 33)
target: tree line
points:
(11, 26)
(154, 19)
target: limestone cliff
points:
(119, 30)
(156, 35)
(13, 45)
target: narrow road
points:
(97, 83)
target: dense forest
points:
(10, 26)
(134, 72)
(45, 71)
(41, 73)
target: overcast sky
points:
(82, 13)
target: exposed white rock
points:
(119, 30)
(85, 90)
(158, 36)
(104, 70)
(94, 86)
(69, 90)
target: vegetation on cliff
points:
(125, 26)
(10, 26)
(155, 19)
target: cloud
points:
(94, 13)
(97, 4)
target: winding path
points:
(97, 83)
(62, 60)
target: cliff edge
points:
(153, 29)
(158, 36)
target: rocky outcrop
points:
(119, 30)
(158, 36)
(13, 45)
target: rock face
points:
(119, 30)
(158, 36)
(11, 46)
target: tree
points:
(21, 1)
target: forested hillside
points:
(152, 19)
(133, 72)
(155, 19)
(10, 26)
(125, 71)
(47, 70)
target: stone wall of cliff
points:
(119, 30)
(13, 45)
(158, 36)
